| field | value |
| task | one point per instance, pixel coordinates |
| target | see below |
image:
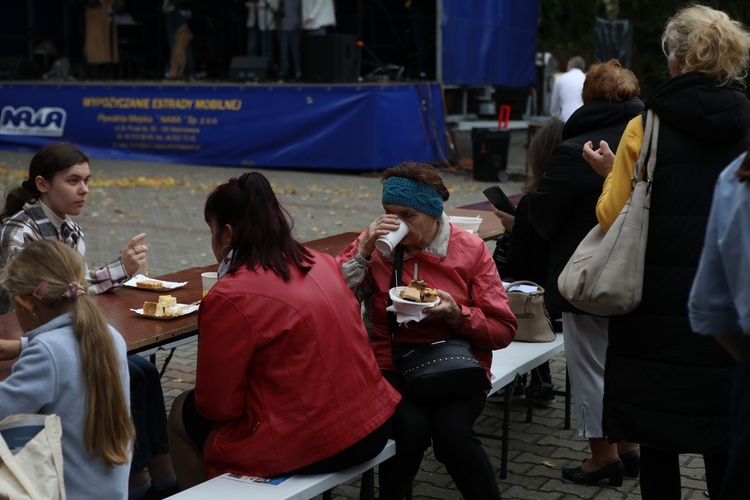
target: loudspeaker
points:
(248, 68)
(330, 58)
(490, 154)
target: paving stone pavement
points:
(166, 202)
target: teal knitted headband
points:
(412, 194)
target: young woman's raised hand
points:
(134, 255)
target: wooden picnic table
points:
(143, 333)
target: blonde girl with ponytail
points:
(42, 207)
(73, 365)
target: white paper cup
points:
(387, 243)
(209, 279)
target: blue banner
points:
(347, 126)
(490, 42)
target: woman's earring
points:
(227, 248)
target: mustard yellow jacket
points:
(617, 185)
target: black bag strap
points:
(398, 263)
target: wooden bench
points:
(232, 486)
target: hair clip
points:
(74, 290)
(40, 290)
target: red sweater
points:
(285, 371)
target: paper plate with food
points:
(166, 308)
(146, 283)
(408, 302)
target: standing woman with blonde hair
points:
(665, 386)
(74, 365)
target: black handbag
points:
(434, 371)
(500, 255)
(440, 370)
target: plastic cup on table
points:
(209, 279)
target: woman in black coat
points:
(562, 210)
(667, 387)
(527, 254)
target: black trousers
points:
(660, 474)
(450, 428)
(737, 481)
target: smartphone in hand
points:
(499, 200)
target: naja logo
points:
(48, 122)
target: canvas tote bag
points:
(604, 276)
(36, 471)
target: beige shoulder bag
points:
(534, 324)
(604, 276)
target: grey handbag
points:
(604, 276)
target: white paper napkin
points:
(403, 318)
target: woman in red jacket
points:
(473, 307)
(286, 380)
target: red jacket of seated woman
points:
(286, 371)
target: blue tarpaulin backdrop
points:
(489, 42)
(346, 126)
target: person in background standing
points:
(566, 92)
(101, 47)
(422, 13)
(176, 14)
(290, 40)
(562, 210)
(269, 20)
(252, 31)
(318, 16)
(665, 386)
(720, 306)
(527, 255)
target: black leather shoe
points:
(631, 462)
(614, 472)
